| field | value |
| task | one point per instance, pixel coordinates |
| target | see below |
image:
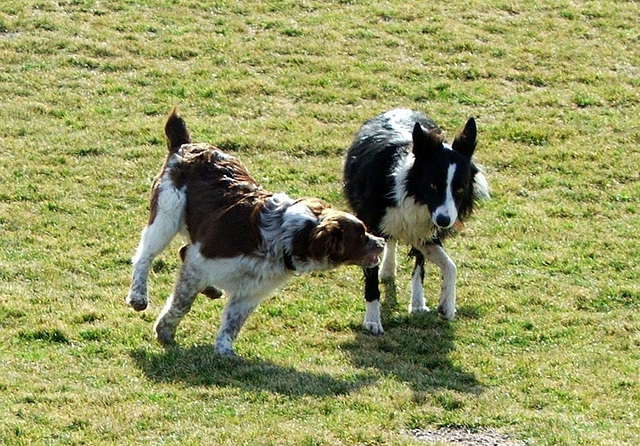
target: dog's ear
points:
(325, 240)
(425, 143)
(465, 142)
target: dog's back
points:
(377, 149)
(216, 184)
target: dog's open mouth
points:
(373, 259)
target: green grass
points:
(546, 344)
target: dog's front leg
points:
(418, 302)
(148, 248)
(234, 316)
(388, 268)
(372, 320)
(435, 253)
(177, 306)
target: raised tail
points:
(176, 131)
(481, 189)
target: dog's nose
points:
(377, 242)
(443, 221)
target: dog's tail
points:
(176, 131)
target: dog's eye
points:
(433, 186)
(459, 190)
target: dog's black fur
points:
(407, 184)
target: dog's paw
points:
(226, 350)
(166, 339)
(419, 309)
(138, 302)
(165, 334)
(446, 312)
(372, 322)
(374, 328)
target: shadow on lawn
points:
(414, 348)
(202, 366)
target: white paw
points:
(374, 328)
(419, 309)
(138, 302)
(225, 350)
(165, 333)
(372, 320)
(446, 312)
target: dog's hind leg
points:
(234, 316)
(435, 253)
(167, 215)
(418, 303)
(187, 287)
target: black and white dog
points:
(408, 185)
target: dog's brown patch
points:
(223, 201)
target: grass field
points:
(546, 345)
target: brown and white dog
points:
(241, 238)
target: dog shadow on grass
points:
(415, 348)
(202, 366)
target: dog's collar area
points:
(288, 261)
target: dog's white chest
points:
(408, 222)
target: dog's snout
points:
(376, 242)
(443, 221)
